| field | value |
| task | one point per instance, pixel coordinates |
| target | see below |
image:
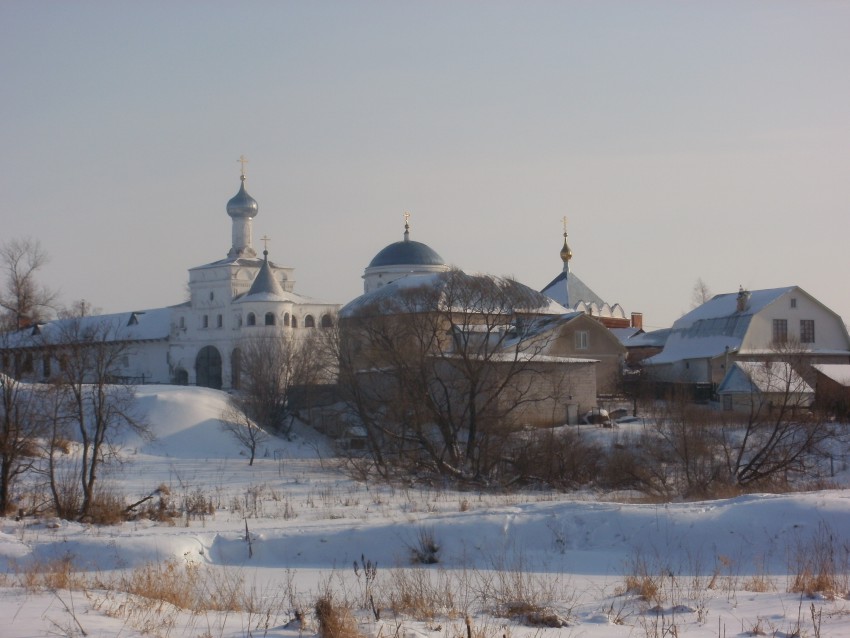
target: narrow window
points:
(252, 319)
(294, 321)
(206, 321)
(219, 321)
(309, 322)
(182, 322)
(793, 302)
(45, 366)
(780, 330)
(807, 330)
(582, 340)
(327, 322)
(269, 318)
(286, 319)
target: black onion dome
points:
(407, 252)
(242, 204)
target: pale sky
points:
(681, 139)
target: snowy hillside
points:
(720, 568)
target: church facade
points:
(196, 342)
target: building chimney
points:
(637, 320)
(742, 299)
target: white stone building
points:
(196, 342)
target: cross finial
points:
(406, 226)
(265, 239)
(564, 219)
(242, 160)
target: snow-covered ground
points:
(719, 568)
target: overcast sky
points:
(682, 140)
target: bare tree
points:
(439, 374)
(98, 405)
(700, 293)
(23, 299)
(239, 425)
(272, 367)
(778, 436)
(20, 432)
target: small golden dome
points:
(566, 253)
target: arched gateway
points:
(208, 368)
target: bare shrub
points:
(425, 548)
(55, 574)
(559, 458)
(760, 581)
(643, 580)
(335, 620)
(820, 565)
(107, 507)
(422, 594)
(169, 581)
(639, 462)
(367, 573)
(519, 593)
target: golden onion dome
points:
(566, 253)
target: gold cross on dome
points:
(242, 160)
(406, 218)
(265, 239)
(564, 219)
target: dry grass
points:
(52, 575)
(644, 582)
(335, 620)
(820, 565)
(168, 581)
(423, 594)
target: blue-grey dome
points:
(242, 204)
(407, 252)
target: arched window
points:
(327, 322)
(309, 322)
(252, 319)
(294, 321)
(286, 319)
(269, 318)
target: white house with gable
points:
(758, 325)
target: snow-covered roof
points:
(139, 325)
(573, 292)
(838, 372)
(652, 339)
(773, 377)
(707, 331)
(624, 335)
(384, 299)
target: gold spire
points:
(566, 253)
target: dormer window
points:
(793, 302)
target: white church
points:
(196, 342)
